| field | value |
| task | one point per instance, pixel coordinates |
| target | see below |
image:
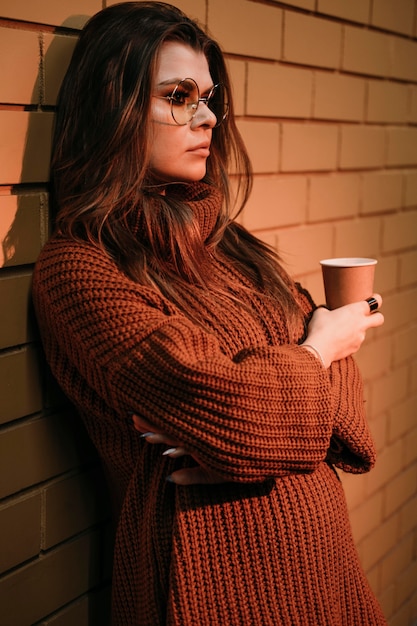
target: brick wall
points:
(326, 93)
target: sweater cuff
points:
(351, 446)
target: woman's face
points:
(179, 153)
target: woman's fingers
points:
(195, 476)
(371, 308)
(373, 303)
(142, 425)
(188, 476)
(338, 333)
(149, 432)
(175, 452)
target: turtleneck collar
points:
(205, 201)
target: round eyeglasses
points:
(185, 98)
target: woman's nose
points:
(204, 117)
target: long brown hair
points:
(101, 149)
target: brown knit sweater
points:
(272, 545)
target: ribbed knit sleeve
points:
(249, 419)
(352, 447)
(265, 412)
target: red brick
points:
(88, 610)
(386, 273)
(405, 345)
(23, 227)
(37, 450)
(406, 584)
(237, 71)
(357, 238)
(402, 419)
(51, 581)
(399, 231)
(308, 147)
(413, 104)
(410, 189)
(408, 264)
(19, 65)
(334, 196)
(378, 428)
(366, 52)
(388, 464)
(381, 191)
(402, 146)
(268, 236)
(276, 201)
(77, 612)
(391, 15)
(57, 51)
(402, 617)
(339, 97)
(20, 388)
(366, 517)
(8, 210)
(410, 455)
(362, 147)
(389, 390)
(232, 24)
(20, 537)
(354, 10)
(400, 490)
(303, 247)
(309, 40)
(262, 141)
(398, 560)
(376, 545)
(302, 4)
(25, 146)
(408, 517)
(387, 102)
(72, 505)
(374, 358)
(413, 377)
(313, 282)
(286, 91)
(386, 600)
(399, 310)
(194, 8)
(404, 53)
(15, 325)
(71, 13)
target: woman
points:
(218, 396)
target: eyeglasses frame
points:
(205, 100)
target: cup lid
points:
(348, 261)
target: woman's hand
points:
(339, 333)
(187, 476)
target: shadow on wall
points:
(24, 228)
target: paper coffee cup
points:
(347, 280)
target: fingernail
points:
(169, 479)
(144, 435)
(169, 451)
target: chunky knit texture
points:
(272, 545)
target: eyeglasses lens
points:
(184, 101)
(217, 102)
(186, 97)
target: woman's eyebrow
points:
(174, 81)
(169, 81)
